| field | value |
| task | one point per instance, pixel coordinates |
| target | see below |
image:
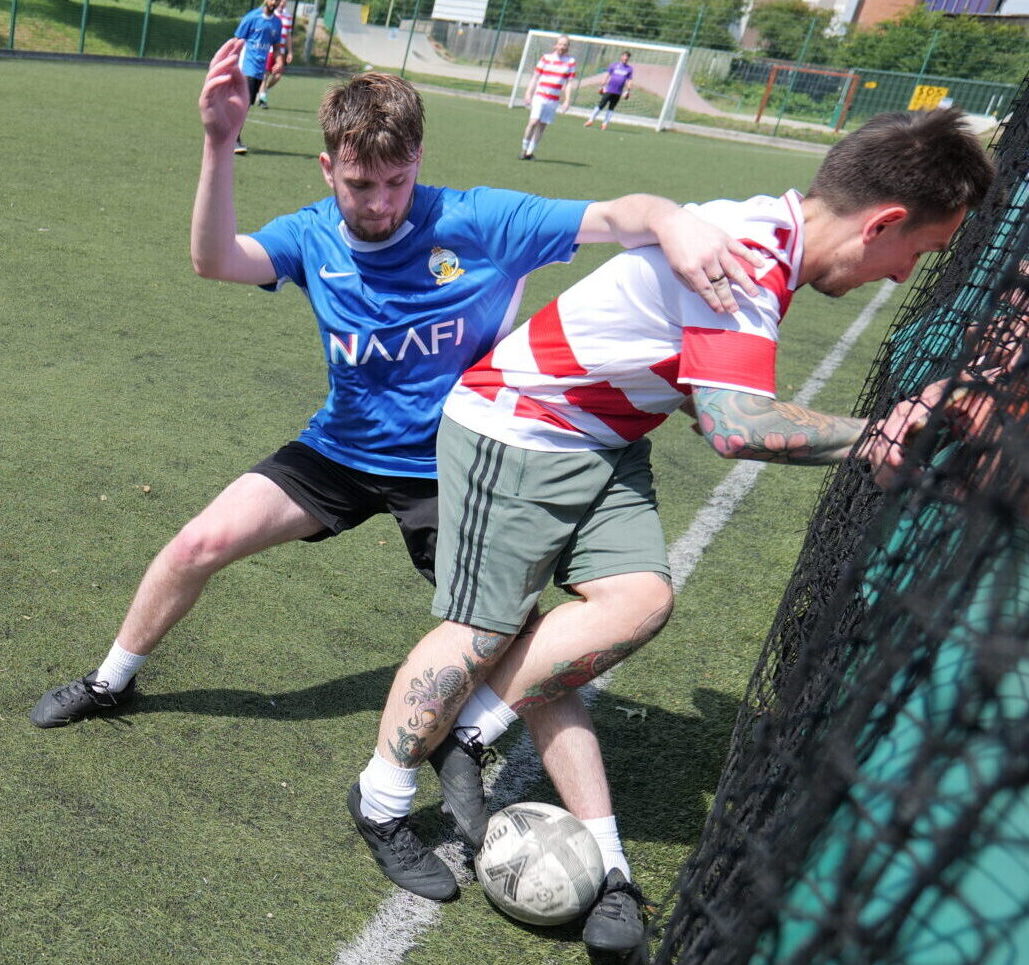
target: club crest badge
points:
(444, 266)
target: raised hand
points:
(224, 98)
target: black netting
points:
(875, 802)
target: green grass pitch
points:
(209, 826)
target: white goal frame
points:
(604, 50)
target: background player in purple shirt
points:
(617, 86)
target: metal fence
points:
(774, 89)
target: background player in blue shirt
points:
(410, 285)
(261, 29)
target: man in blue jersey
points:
(261, 29)
(410, 285)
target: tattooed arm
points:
(740, 425)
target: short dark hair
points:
(375, 119)
(929, 161)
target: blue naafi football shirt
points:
(401, 319)
(261, 34)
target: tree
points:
(949, 46)
(705, 22)
(783, 26)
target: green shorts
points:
(512, 519)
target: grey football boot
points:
(402, 855)
(82, 698)
(459, 761)
(615, 923)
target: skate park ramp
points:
(655, 79)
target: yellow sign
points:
(926, 98)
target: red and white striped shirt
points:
(287, 25)
(553, 71)
(612, 357)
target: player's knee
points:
(640, 602)
(654, 607)
(199, 548)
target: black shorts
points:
(254, 85)
(342, 498)
(609, 100)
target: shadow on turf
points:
(334, 698)
(567, 164)
(662, 766)
(264, 152)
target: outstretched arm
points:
(531, 89)
(703, 256)
(740, 425)
(215, 247)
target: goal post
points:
(659, 70)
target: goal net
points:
(659, 75)
(875, 803)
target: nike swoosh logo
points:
(325, 273)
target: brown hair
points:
(374, 118)
(930, 162)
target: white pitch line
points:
(252, 118)
(403, 918)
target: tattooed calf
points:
(569, 675)
(487, 643)
(409, 750)
(435, 695)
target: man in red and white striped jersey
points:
(544, 470)
(551, 78)
(279, 58)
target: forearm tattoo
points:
(747, 426)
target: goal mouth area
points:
(660, 82)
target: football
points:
(539, 864)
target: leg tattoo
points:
(409, 750)
(433, 694)
(572, 674)
(486, 644)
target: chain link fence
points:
(729, 82)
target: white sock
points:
(531, 149)
(593, 116)
(607, 117)
(605, 831)
(387, 791)
(119, 667)
(525, 145)
(487, 712)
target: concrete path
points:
(414, 52)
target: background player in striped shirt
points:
(544, 470)
(280, 57)
(551, 78)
